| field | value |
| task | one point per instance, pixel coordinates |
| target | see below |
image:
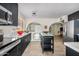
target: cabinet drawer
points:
(46, 46)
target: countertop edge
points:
(70, 46)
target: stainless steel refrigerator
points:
(70, 29)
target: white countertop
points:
(48, 34)
(72, 45)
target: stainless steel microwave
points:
(5, 16)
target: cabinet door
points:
(71, 52)
(19, 48)
(12, 52)
(23, 44)
(73, 16)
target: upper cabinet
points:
(9, 14)
(73, 16)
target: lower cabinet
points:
(71, 52)
(12, 52)
(19, 49)
(47, 43)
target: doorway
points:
(56, 29)
(35, 29)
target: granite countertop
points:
(72, 45)
(11, 39)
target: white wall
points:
(42, 21)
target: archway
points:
(35, 29)
(56, 28)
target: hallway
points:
(34, 48)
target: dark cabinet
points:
(12, 52)
(47, 43)
(73, 16)
(20, 48)
(71, 52)
(24, 43)
(11, 49)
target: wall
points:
(42, 21)
(22, 23)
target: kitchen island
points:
(16, 46)
(72, 48)
(47, 42)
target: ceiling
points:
(47, 10)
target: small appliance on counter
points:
(1, 37)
